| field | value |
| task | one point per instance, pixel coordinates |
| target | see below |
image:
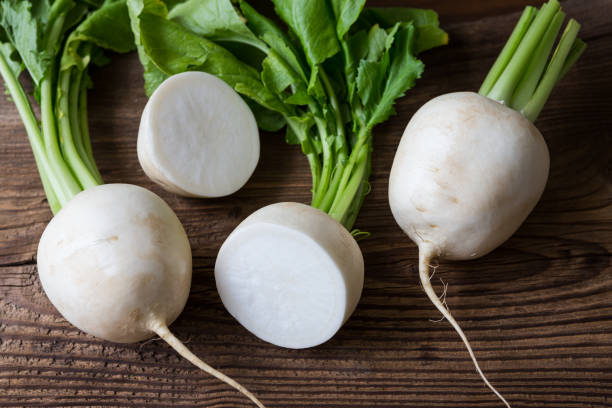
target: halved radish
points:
(198, 137)
(290, 274)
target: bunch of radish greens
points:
(330, 77)
(56, 44)
(115, 260)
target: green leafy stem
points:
(56, 41)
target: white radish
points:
(197, 137)
(466, 174)
(116, 263)
(290, 274)
(470, 167)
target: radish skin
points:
(467, 172)
(290, 274)
(116, 263)
(197, 137)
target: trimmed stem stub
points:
(524, 75)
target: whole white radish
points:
(470, 167)
(116, 263)
(115, 260)
(197, 137)
(290, 274)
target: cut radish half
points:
(197, 137)
(290, 274)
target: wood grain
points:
(538, 310)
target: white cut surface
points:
(197, 137)
(290, 274)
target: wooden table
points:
(538, 310)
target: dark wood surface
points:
(538, 310)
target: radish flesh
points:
(290, 274)
(471, 167)
(197, 137)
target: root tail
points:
(162, 331)
(425, 255)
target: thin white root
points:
(162, 331)
(425, 255)
(442, 297)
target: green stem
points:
(577, 49)
(553, 71)
(341, 146)
(529, 82)
(70, 186)
(328, 154)
(322, 199)
(83, 123)
(506, 83)
(50, 182)
(69, 145)
(325, 203)
(508, 51)
(339, 210)
(362, 138)
(313, 160)
(355, 207)
(75, 125)
(529, 76)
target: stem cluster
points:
(523, 76)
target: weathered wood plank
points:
(538, 310)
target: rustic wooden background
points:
(538, 310)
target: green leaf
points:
(267, 120)
(275, 75)
(404, 69)
(313, 23)
(346, 12)
(297, 133)
(428, 31)
(377, 43)
(160, 39)
(12, 58)
(299, 97)
(153, 76)
(108, 28)
(373, 67)
(23, 23)
(275, 38)
(216, 20)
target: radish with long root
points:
(470, 167)
(292, 274)
(115, 260)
